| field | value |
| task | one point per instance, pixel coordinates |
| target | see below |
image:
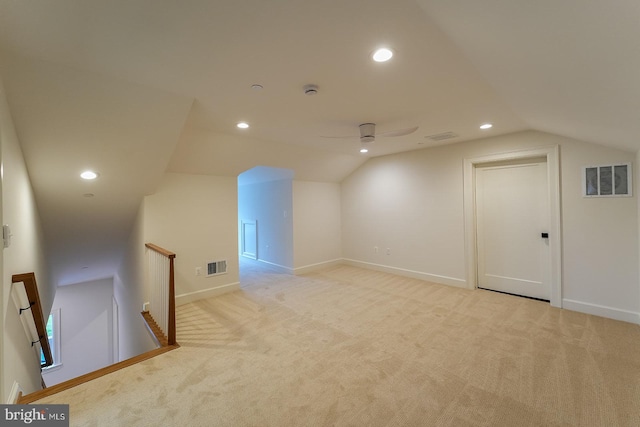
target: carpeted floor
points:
(353, 347)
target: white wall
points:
(636, 183)
(412, 203)
(3, 302)
(600, 236)
(196, 216)
(270, 204)
(130, 293)
(86, 333)
(26, 254)
(316, 224)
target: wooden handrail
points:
(31, 288)
(171, 333)
(160, 250)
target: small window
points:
(607, 181)
(53, 336)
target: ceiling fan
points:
(368, 133)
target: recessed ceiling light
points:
(364, 150)
(382, 55)
(486, 126)
(243, 125)
(88, 175)
(256, 87)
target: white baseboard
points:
(277, 267)
(206, 293)
(443, 280)
(602, 311)
(14, 394)
(318, 266)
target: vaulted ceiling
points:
(134, 88)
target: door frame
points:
(115, 333)
(552, 155)
(243, 237)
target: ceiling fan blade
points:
(340, 137)
(399, 132)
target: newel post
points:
(172, 304)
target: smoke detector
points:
(310, 89)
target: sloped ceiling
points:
(134, 88)
(566, 67)
(69, 121)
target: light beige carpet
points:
(353, 347)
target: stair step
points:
(161, 338)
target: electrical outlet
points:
(388, 251)
(198, 271)
(375, 249)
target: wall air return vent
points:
(442, 136)
(607, 181)
(216, 267)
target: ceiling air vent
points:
(216, 267)
(442, 136)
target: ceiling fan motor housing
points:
(367, 132)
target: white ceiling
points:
(134, 88)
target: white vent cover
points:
(216, 267)
(607, 181)
(442, 136)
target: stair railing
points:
(36, 330)
(161, 281)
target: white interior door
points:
(249, 239)
(512, 213)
